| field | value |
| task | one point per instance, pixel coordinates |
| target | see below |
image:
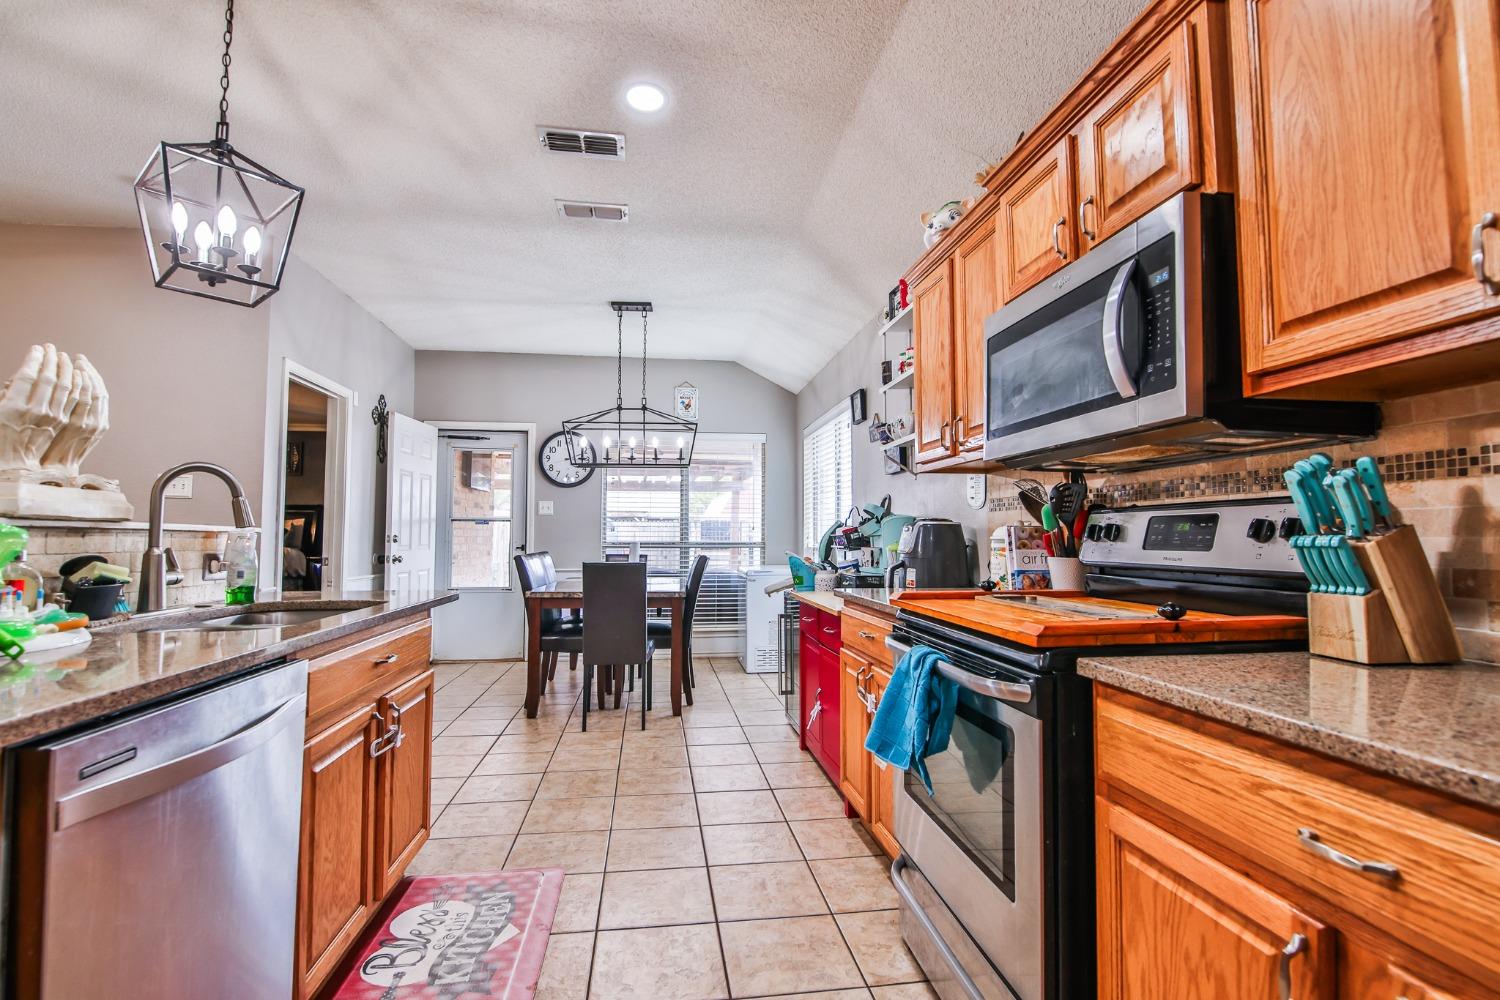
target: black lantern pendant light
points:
(634, 437)
(217, 223)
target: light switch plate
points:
(180, 488)
(544, 507)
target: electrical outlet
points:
(180, 488)
(544, 507)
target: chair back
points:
(531, 573)
(614, 606)
(690, 600)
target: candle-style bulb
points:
(252, 243)
(655, 441)
(203, 238)
(227, 222)
(179, 221)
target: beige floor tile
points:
(719, 808)
(729, 778)
(638, 756)
(443, 790)
(654, 781)
(522, 726)
(855, 884)
(817, 802)
(781, 753)
(576, 784)
(445, 746)
(474, 727)
(804, 775)
(513, 763)
(568, 815)
(906, 991)
(715, 755)
(791, 955)
(525, 743)
(565, 970)
(748, 843)
(572, 852)
(642, 812)
(656, 897)
(712, 735)
(658, 963)
(771, 734)
(504, 713)
(667, 734)
(585, 760)
(479, 819)
(759, 891)
(454, 855)
(859, 994)
(698, 717)
(578, 906)
(498, 788)
(833, 838)
(590, 740)
(875, 939)
(774, 717)
(633, 850)
(457, 766)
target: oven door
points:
(977, 893)
(1108, 346)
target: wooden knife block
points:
(1403, 620)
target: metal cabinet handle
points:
(382, 742)
(830, 631)
(869, 636)
(1083, 227)
(1294, 947)
(389, 658)
(943, 435)
(1490, 285)
(1016, 692)
(1062, 220)
(961, 977)
(1311, 841)
(817, 707)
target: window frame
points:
(812, 534)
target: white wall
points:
(545, 389)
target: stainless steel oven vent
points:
(602, 211)
(583, 142)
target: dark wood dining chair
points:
(660, 629)
(567, 616)
(614, 605)
(560, 634)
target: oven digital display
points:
(1181, 533)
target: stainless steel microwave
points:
(1129, 358)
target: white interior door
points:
(482, 495)
(411, 505)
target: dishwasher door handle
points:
(85, 805)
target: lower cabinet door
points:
(829, 738)
(1367, 975)
(1174, 922)
(854, 764)
(810, 664)
(336, 893)
(404, 780)
(883, 780)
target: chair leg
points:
(646, 685)
(602, 674)
(619, 683)
(552, 667)
(572, 661)
(687, 672)
(587, 672)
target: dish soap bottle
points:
(241, 563)
(26, 582)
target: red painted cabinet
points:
(819, 658)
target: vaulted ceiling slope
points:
(772, 203)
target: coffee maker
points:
(932, 554)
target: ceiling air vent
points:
(581, 141)
(593, 210)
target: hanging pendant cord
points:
(620, 359)
(221, 134)
(643, 362)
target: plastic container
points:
(241, 565)
(97, 600)
(803, 577)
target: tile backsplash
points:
(1440, 456)
(125, 545)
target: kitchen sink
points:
(223, 619)
(251, 619)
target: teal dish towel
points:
(915, 716)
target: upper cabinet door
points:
(932, 335)
(1036, 213)
(1369, 150)
(1138, 145)
(978, 294)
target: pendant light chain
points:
(620, 359)
(222, 132)
(643, 359)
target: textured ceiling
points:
(772, 204)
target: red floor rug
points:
(458, 937)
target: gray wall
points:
(932, 494)
(183, 373)
(545, 389)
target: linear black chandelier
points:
(240, 215)
(632, 437)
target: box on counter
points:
(1018, 559)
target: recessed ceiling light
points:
(646, 97)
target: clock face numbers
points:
(553, 459)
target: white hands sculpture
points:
(53, 411)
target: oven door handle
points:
(915, 908)
(1113, 331)
(1011, 691)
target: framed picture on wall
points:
(296, 457)
(857, 412)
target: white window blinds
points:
(827, 474)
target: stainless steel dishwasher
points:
(156, 856)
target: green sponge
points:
(97, 571)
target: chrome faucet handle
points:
(171, 558)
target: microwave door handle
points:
(1113, 331)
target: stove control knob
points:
(1112, 532)
(1171, 612)
(1290, 526)
(1093, 532)
(1262, 529)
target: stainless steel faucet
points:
(153, 582)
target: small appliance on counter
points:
(932, 554)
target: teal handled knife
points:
(1312, 563)
(1322, 502)
(1303, 502)
(1353, 504)
(1302, 560)
(1344, 583)
(1321, 463)
(1350, 561)
(1369, 475)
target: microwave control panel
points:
(1229, 537)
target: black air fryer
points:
(931, 555)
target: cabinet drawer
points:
(827, 629)
(1445, 885)
(865, 634)
(339, 676)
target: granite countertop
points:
(874, 598)
(828, 600)
(124, 666)
(1432, 726)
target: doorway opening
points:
(315, 424)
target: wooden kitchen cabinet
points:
(932, 337)
(976, 295)
(404, 785)
(1173, 922)
(854, 759)
(883, 778)
(1368, 155)
(1037, 236)
(1365, 974)
(866, 783)
(1138, 144)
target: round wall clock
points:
(553, 459)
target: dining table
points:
(663, 590)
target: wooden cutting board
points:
(1073, 618)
